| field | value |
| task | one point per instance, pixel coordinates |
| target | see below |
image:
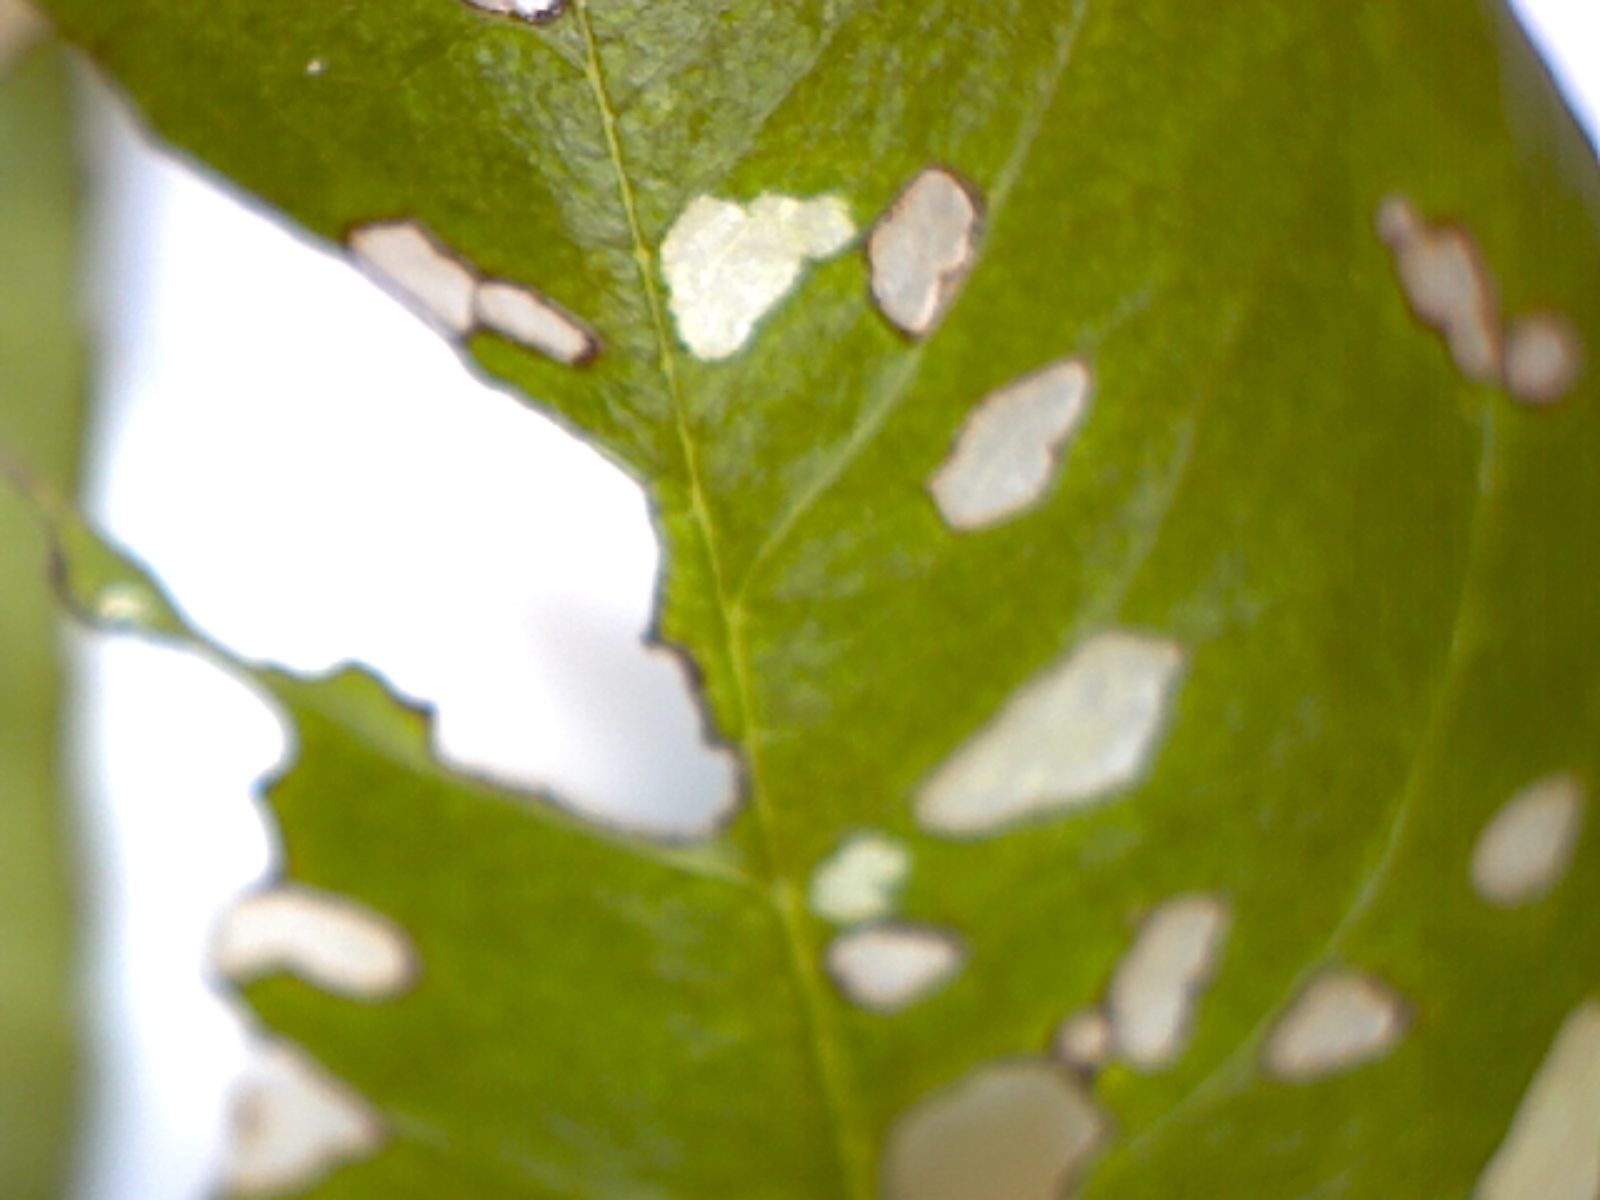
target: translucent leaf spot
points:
(1344, 1019)
(404, 256)
(727, 266)
(1084, 727)
(1447, 285)
(1544, 358)
(293, 1124)
(887, 968)
(922, 249)
(1526, 848)
(1156, 984)
(1007, 452)
(1016, 1130)
(1553, 1149)
(860, 880)
(329, 941)
(524, 316)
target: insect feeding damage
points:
(327, 940)
(1021, 1129)
(1447, 285)
(522, 315)
(889, 967)
(1449, 288)
(405, 256)
(1525, 849)
(294, 1124)
(1544, 358)
(923, 248)
(1156, 985)
(727, 265)
(1008, 451)
(1552, 1151)
(1073, 734)
(451, 295)
(1085, 1041)
(861, 880)
(1342, 1020)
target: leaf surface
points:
(1373, 567)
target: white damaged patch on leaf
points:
(1082, 729)
(1525, 849)
(1085, 1041)
(1552, 1151)
(1158, 982)
(522, 315)
(923, 248)
(1341, 1021)
(887, 968)
(405, 257)
(861, 880)
(294, 1124)
(1009, 450)
(1015, 1130)
(1447, 286)
(1544, 358)
(450, 295)
(727, 265)
(329, 941)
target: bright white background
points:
(351, 493)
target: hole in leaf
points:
(1017, 1130)
(363, 498)
(329, 941)
(294, 1124)
(1552, 1151)
(1157, 983)
(1085, 1041)
(1341, 1021)
(1076, 732)
(887, 968)
(409, 260)
(1008, 451)
(1544, 358)
(1446, 284)
(1526, 848)
(923, 248)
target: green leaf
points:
(40, 409)
(1319, 570)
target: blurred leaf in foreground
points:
(41, 386)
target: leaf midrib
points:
(852, 1144)
(851, 1147)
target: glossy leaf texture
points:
(1367, 557)
(41, 384)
